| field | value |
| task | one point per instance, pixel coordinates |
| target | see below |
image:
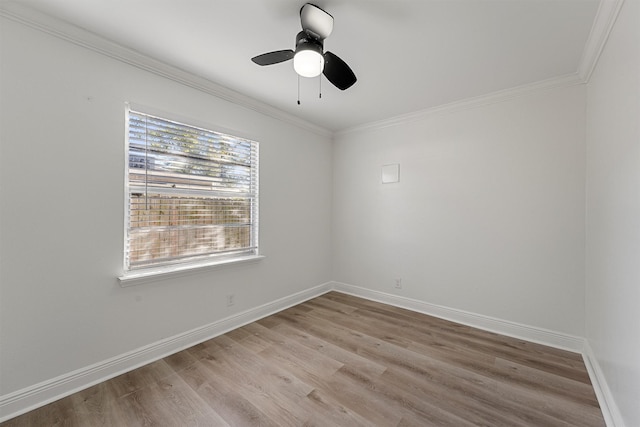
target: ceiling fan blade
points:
(316, 21)
(271, 58)
(338, 72)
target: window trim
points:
(151, 273)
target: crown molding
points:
(478, 101)
(603, 22)
(608, 11)
(81, 37)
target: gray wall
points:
(613, 213)
(62, 182)
(488, 216)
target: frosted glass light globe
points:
(308, 63)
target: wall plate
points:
(390, 173)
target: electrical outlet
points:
(231, 299)
(398, 283)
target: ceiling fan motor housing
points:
(305, 41)
(308, 60)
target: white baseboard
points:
(29, 398)
(608, 406)
(609, 409)
(491, 324)
(21, 401)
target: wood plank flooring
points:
(338, 360)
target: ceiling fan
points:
(309, 59)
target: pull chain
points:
(298, 89)
(320, 83)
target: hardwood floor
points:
(338, 360)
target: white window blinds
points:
(192, 194)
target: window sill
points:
(137, 277)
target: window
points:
(192, 194)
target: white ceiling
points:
(408, 55)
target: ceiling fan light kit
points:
(309, 58)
